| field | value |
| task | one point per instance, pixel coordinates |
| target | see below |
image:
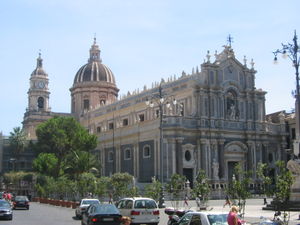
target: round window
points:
(187, 155)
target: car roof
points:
(208, 212)
(138, 198)
(89, 199)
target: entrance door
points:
(188, 173)
(231, 166)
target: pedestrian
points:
(186, 200)
(232, 217)
(110, 201)
(198, 201)
(227, 201)
(126, 220)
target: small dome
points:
(94, 70)
(39, 67)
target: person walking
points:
(232, 217)
(227, 201)
(186, 200)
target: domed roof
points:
(94, 70)
(39, 67)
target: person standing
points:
(198, 202)
(186, 200)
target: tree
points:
(262, 173)
(121, 184)
(78, 162)
(175, 186)
(239, 187)
(17, 141)
(45, 163)
(86, 184)
(201, 186)
(284, 180)
(62, 135)
(153, 190)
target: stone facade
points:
(218, 121)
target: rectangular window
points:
(86, 104)
(125, 122)
(98, 129)
(293, 133)
(127, 154)
(142, 117)
(111, 126)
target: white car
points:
(83, 205)
(140, 210)
(203, 218)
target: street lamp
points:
(291, 51)
(161, 101)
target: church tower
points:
(38, 100)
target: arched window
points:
(86, 104)
(110, 156)
(232, 109)
(127, 154)
(41, 102)
(146, 152)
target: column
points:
(179, 162)
(221, 158)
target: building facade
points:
(208, 120)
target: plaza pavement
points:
(253, 210)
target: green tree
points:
(45, 163)
(78, 162)
(239, 187)
(62, 135)
(121, 184)
(201, 186)
(102, 186)
(153, 190)
(284, 180)
(175, 187)
(86, 184)
(262, 173)
(17, 141)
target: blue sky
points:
(141, 41)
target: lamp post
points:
(291, 51)
(160, 101)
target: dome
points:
(94, 70)
(39, 67)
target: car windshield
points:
(89, 202)
(4, 204)
(215, 219)
(106, 209)
(21, 198)
(145, 204)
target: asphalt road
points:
(43, 214)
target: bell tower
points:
(38, 93)
(38, 109)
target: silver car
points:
(5, 210)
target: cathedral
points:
(208, 120)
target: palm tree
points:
(17, 141)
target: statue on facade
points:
(215, 167)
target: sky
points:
(141, 41)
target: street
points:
(43, 214)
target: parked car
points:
(140, 210)
(203, 218)
(101, 214)
(20, 201)
(5, 210)
(83, 205)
